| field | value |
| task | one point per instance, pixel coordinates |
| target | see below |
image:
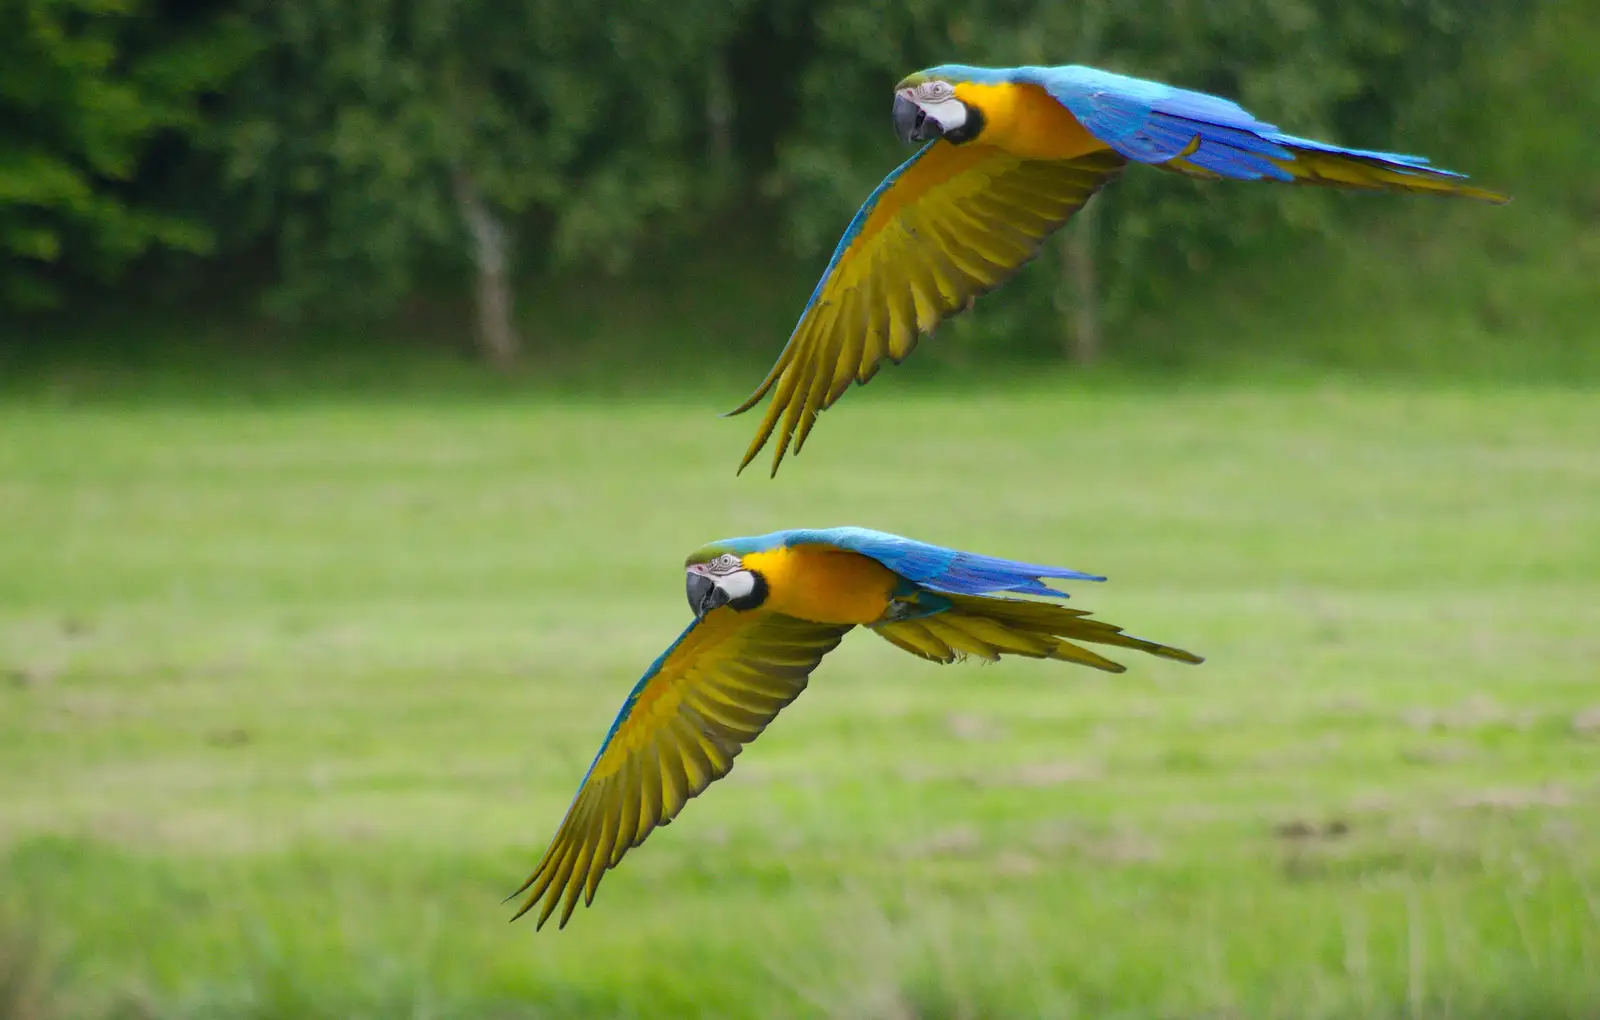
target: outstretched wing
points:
(949, 224)
(713, 691)
(1203, 135)
(949, 571)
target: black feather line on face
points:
(970, 128)
(758, 594)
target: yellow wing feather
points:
(990, 627)
(1343, 170)
(1351, 172)
(953, 223)
(714, 691)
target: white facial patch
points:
(950, 113)
(736, 585)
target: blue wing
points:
(1196, 132)
(943, 570)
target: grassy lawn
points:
(291, 697)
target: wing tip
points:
(1169, 652)
(1487, 195)
(1445, 182)
(762, 437)
(751, 401)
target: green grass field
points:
(291, 697)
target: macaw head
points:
(926, 107)
(716, 576)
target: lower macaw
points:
(766, 610)
(1011, 155)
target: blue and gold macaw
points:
(766, 610)
(1011, 154)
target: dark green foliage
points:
(89, 89)
(351, 143)
(348, 139)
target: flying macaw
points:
(766, 610)
(1011, 154)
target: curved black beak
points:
(912, 124)
(704, 595)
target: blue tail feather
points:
(1155, 123)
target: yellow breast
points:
(1026, 121)
(824, 585)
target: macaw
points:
(1010, 155)
(766, 610)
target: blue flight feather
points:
(1151, 122)
(934, 567)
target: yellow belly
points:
(1027, 121)
(824, 585)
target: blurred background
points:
(359, 371)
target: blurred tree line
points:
(367, 146)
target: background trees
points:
(101, 103)
(357, 154)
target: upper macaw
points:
(1011, 154)
(766, 610)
